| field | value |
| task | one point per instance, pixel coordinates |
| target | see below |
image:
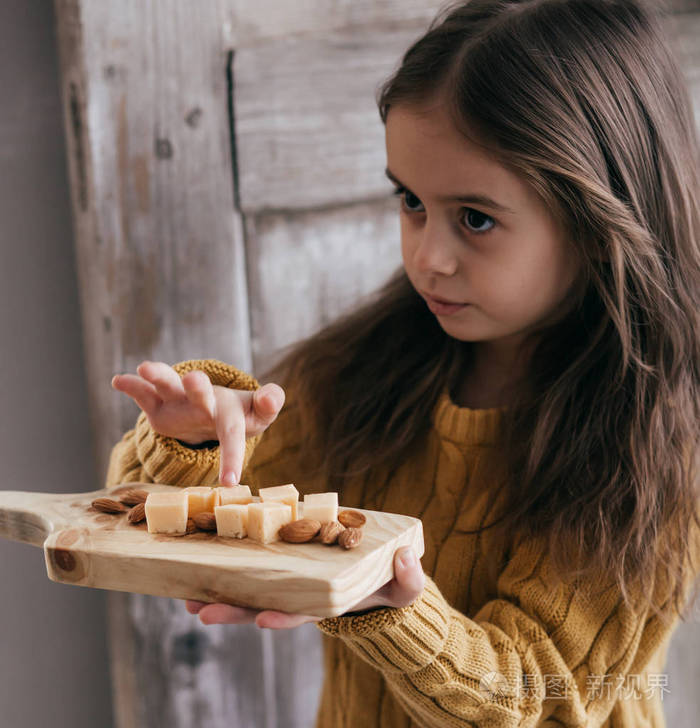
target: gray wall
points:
(53, 661)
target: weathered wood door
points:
(226, 161)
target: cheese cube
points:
(239, 494)
(232, 520)
(322, 507)
(167, 512)
(201, 500)
(266, 519)
(281, 494)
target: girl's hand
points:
(192, 409)
(404, 588)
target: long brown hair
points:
(585, 100)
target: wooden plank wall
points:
(165, 261)
(161, 263)
(226, 163)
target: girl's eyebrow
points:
(474, 199)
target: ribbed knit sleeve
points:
(143, 455)
(537, 652)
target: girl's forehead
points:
(424, 143)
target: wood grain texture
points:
(307, 127)
(159, 244)
(160, 257)
(317, 264)
(250, 23)
(86, 547)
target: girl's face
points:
(473, 232)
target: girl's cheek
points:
(408, 251)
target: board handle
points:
(24, 516)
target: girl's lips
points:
(441, 308)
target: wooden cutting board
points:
(85, 547)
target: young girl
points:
(527, 383)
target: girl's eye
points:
(476, 221)
(409, 201)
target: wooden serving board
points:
(86, 547)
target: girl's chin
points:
(469, 331)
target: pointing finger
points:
(230, 430)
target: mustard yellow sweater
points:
(492, 640)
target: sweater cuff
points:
(200, 446)
(397, 640)
(165, 459)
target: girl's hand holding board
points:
(402, 590)
(193, 410)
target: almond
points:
(350, 538)
(205, 521)
(330, 532)
(352, 519)
(300, 531)
(108, 505)
(191, 526)
(133, 497)
(137, 513)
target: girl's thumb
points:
(408, 575)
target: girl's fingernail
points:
(407, 558)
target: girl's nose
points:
(434, 252)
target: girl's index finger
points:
(230, 431)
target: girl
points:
(527, 383)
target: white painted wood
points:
(316, 264)
(162, 276)
(248, 23)
(159, 244)
(307, 127)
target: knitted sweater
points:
(493, 640)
